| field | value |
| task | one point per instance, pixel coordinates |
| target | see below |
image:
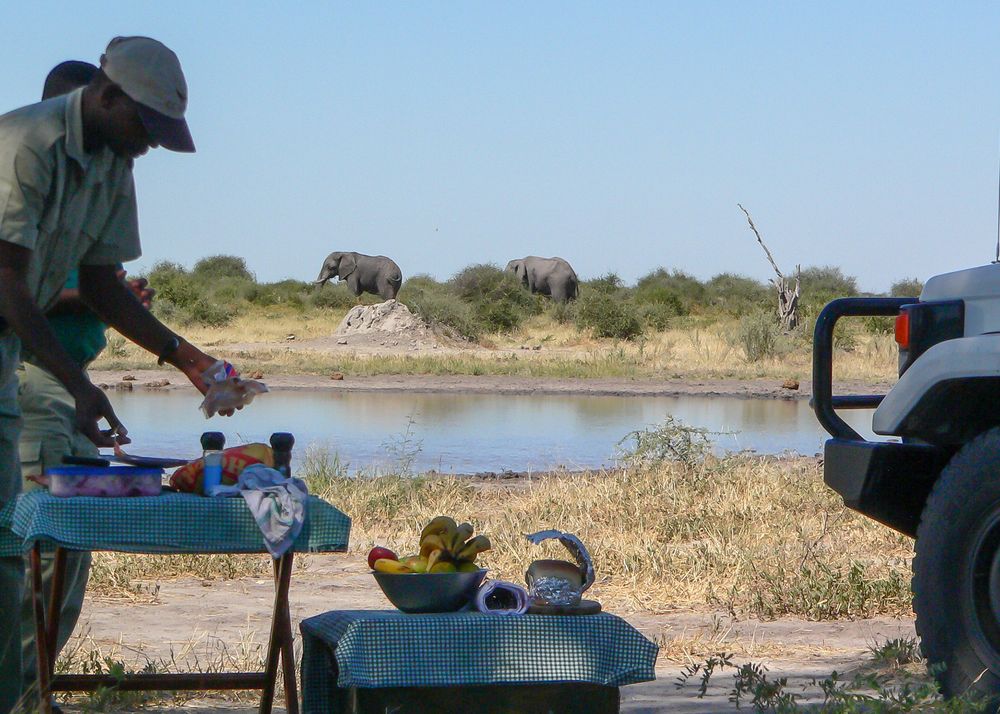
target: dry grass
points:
(694, 352)
(755, 536)
(751, 535)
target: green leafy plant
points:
(606, 315)
(673, 440)
(758, 336)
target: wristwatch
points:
(173, 344)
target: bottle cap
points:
(282, 441)
(213, 441)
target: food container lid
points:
(103, 471)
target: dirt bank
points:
(493, 384)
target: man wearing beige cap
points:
(67, 200)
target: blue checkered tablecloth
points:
(376, 648)
(168, 523)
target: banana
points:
(473, 548)
(443, 567)
(462, 534)
(416, 563)
(388, 565)
(443, 526)
(430, 543)
(433, 559)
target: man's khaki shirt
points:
(65, 205)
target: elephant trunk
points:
(324, 276)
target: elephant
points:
(547, 276)
(375, 274)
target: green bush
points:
(676, 288)
(907, 287)
(497, 316)
(821, 285)
(563, 312)
(222, 266)
(606, 284)
(448, 310)
(609, 316)
(207, 313)
(658, 316)
(437, 304)
(475, 281)
(332, 297)
(737, 295)
(879, 325)
(292, 293)
(173, 284)
(758, 335)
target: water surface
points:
(468, 433)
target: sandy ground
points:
(155, 379)
(191, 618)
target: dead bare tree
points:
(788, 297)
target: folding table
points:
(171, 523)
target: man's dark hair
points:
(67, 76)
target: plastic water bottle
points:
(212, 442)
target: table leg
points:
(55, 604)
(281, 632)
(41, 636)
(283, 574)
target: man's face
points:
(124, 132)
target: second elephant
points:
(547, 276)
(375, 274)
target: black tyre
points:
(956, 571)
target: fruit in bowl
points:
(446, 564)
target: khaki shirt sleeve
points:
(24, 181)
(117, 241)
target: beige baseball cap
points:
(150, 73)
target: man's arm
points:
(18, 308)
(118, 306)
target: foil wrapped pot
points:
(554, 582)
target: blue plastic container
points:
(104, 481)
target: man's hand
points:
(140, 288)
(92, 405)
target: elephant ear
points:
(348, 264)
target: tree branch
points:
(761, 241)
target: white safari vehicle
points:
(939, 481)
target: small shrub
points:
(440, 307)
(658, 316)
(675, 287)
(609, 316)
(222, 266)
(907, 287)
(821, 285)
(606, 284)
(673, 440)
(563, 313)
(758, 336)
(173, 284)
(207, 313)
(475, 281)
(332, 297)
(879, 325)
(737, 295)
(499, 316)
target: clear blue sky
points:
(619, 135)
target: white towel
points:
(278, 504)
